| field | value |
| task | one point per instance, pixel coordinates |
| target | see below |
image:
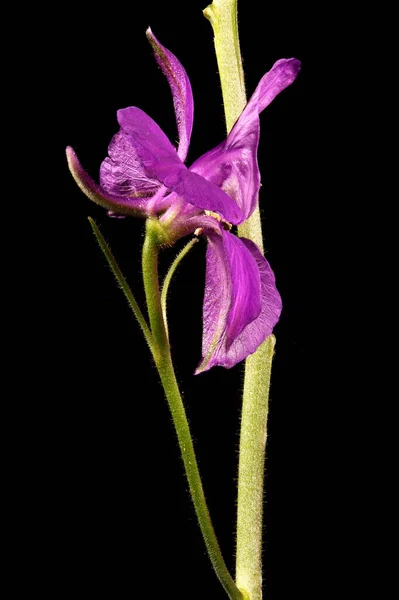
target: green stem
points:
(223, 17)
(169, 275)
(122, 282)
(164, 365)
(251, 469)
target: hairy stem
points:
(169, 275)
(251, 469)
(223, 17)
(164, 365)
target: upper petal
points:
(181, 91)
(204, 194)
(147, 138)
(115, 203)
(161, 162)
(233, 165)
(280, 76)
(241, 302)
(235, 170)
(122, 173)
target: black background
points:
(115, 518)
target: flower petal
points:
(241, 302)
(122, 173)
(245, 280)
(258, 330)
(234, 170)
(116, 204)
(147, 138)
(181, 90)
(204, 194)
(281, 75)
(187, 224)
(160, 160)
(233, 164)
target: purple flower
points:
(144, 175)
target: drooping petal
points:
(232, 297)
(241, 302)
(114, 203)
(122, 174)
(181, 90)
(233, 165)
(258, 330)
(245, 283)
(160, 160)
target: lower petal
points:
(241, 302)
(260, 328)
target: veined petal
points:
(245, 282)
(204, 194)
(232, 297)
(122, 174)
(241, 302)
(260, 328)
(145, 134)
(181, 91)
(235, 170)
(161, 162)
(233, 165)
(114, 203)
(280, 76)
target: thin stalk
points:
(122, 283)
(169, 275)
(164, 365)
(223, 17)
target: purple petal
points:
(232, 296)
(160, 160)
(147, 138)
(245, 282)
(281, 75)
(122, 173)
(181, 90)
(258, 330)
(114, 203)
(187, 224)
(204, 194)
(233, 164)
(241, 302)
(234, 170)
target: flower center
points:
(225, 224)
